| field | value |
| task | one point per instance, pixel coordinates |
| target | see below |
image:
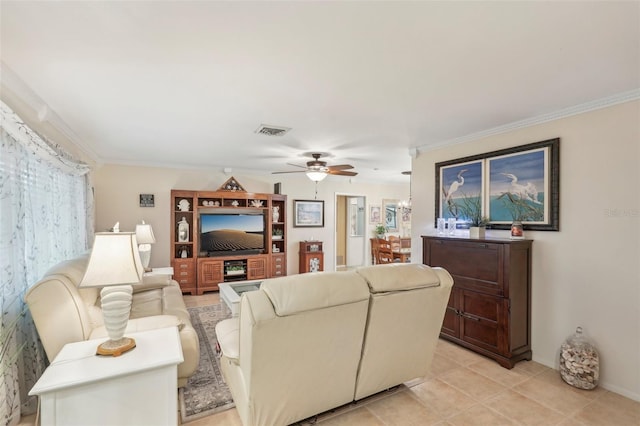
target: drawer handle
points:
(183, 266)
(184, 273)
(471, 317)
(184, 281)
(484, 245)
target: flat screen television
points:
(231, 233)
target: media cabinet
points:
(196, 271)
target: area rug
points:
(206, 392)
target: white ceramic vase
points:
(477, 232)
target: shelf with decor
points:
(227, 225)
(183, 205)
(278, 232)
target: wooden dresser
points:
(489, 310)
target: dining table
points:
(402, 254)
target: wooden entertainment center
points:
(197, 271)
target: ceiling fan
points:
(317, 170)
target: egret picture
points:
(501, 187)
(517, 187)
(461, 189)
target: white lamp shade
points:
(144, 234)
(114, 260)
(316, 176)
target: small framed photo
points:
(308, 213)
(374, 214)
(146, 200)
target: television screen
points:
(231, 232)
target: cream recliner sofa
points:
(304, 344)
(63, 313)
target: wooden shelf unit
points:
(311, 257)
(196, 272)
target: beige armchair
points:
(407, 306)
(63, 313)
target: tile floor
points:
(465, 388)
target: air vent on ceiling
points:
(268, 130)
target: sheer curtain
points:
(46, 215)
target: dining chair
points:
(385, 255)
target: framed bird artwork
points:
(515, 184)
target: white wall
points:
(588, 273)
(117, 190)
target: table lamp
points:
(115, 265)
(145, 237)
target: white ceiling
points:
(186, 83)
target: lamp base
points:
(116, 347)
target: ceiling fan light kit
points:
(316, 176)
(317, 170)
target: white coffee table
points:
(230, 293)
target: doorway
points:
(350, 241)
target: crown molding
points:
(44, 113)
(619, 98)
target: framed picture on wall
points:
(460, 190)
(513, 184)
(147, 200)
(308, 213)
(374, 214)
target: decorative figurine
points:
(183, 230)
(276, 214)
(184, 205)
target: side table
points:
(167, 270)
(136, 388)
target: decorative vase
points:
(579, 361)
(451, 226)
(517, 230)
(183, 230)
(477, 232)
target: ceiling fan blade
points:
(297, 165)
(341, 173)
(341, 167)
(294, 171)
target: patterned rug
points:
(206, 392)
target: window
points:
(45, 217)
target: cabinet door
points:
(257, 268)
(482, 320)
(451, 323)
(211, 273)
(474, 265)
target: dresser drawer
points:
(473, 265)
(278, 265)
